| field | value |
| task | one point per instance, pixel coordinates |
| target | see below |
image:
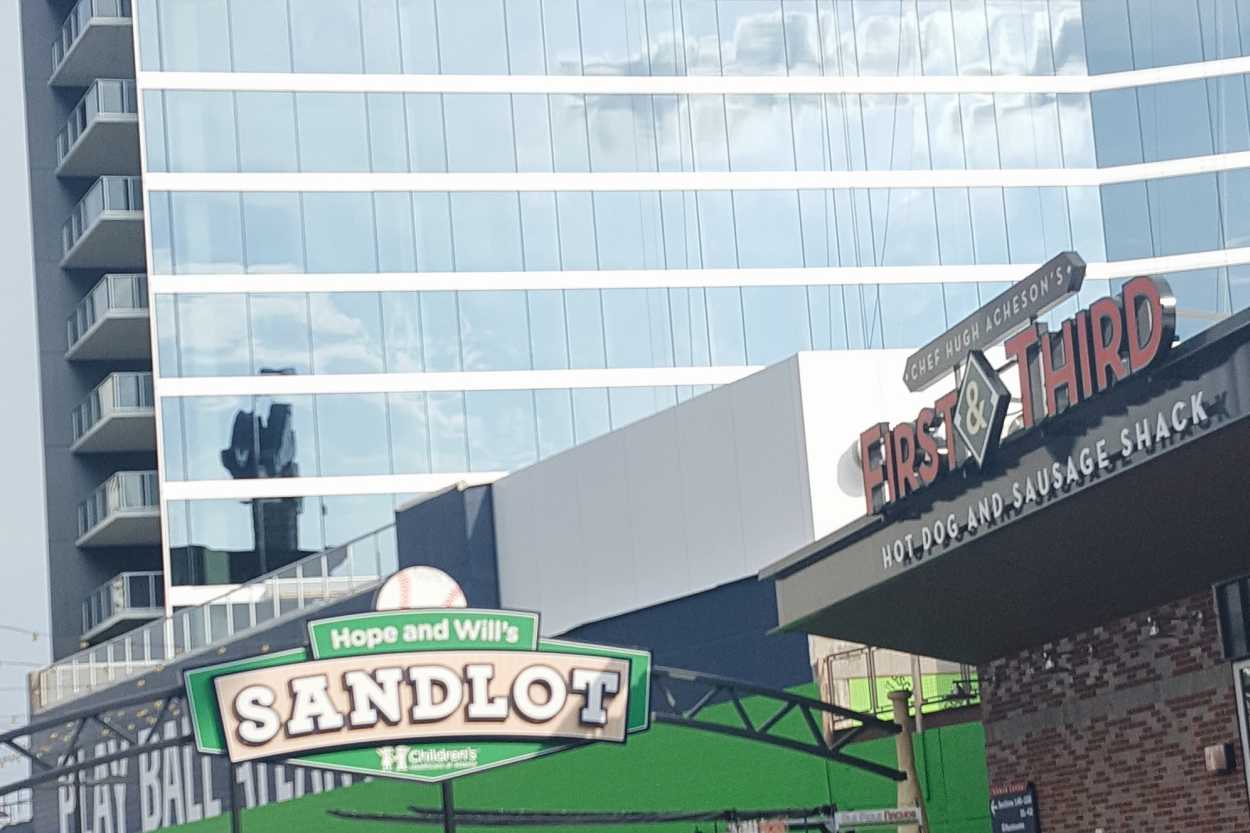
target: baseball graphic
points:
(414, 588)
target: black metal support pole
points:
(449, 809)
(236, 811)
(78, 828)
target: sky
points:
(24, 559)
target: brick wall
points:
(1113, 734)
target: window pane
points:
(273, 232)
(910, 313)
(333, 131)
(338, 231)
(1165, 32)
(725, 328)
(1175, 120)
(154, 129)
(590, 413)
(195, 36)
(410, 433)
(479, 132)
(487, 232)
(280, 336)
(201, 130)
(260, 36)
(554, 413)
(267, 131)
(1107, 35)
(768, 228)
(905, 226)
(401, 317)
(584, 321)
(162, 243)
(989, 231)
(440, 330)
(564, 48)
(167, 335)
(433, 225)
(501, 429)
(494, 331)
(417, 36)
(173, 452)
(208, 236)
(397, 242)
(381, 32)
(352, 434)
(347, 332)
(209, 426)
(1126, 221)
(448, 444)
(1184, 214)
(776, 320)
(525, 37)
(388, 132)
(471, 37)
(548, 344)
(326, 36)
(348, 517)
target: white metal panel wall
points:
(694, 497)
(840, 399)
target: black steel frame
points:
(678, 697)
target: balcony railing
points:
(106, 100)
(114, 293)
(120, 394)
(125, 596)
(293, 590)
(125, 493)
(105, 229)
(77, 21)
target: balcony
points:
(95, 42)
(123, 511)
(111, 322)
(105, 229)
(123, 602)
(101, 135)
(119, 415)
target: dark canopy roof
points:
(1163, 523)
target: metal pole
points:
(449, 809)
(236, 812)
(78, 828)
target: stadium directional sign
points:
(420, 694)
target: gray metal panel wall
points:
(692, 498)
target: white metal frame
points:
(691, 84)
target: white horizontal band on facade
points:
(669, 278)
(279, 487)
(689, 84)
(476, 380)
(696, 180)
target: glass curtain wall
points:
(381, 287)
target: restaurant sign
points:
(1015, 307)
(420, 694)
(1113, 339)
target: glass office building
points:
(392, 245)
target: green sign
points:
(420, 694)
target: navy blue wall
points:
(455, 532)
(720, 631)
